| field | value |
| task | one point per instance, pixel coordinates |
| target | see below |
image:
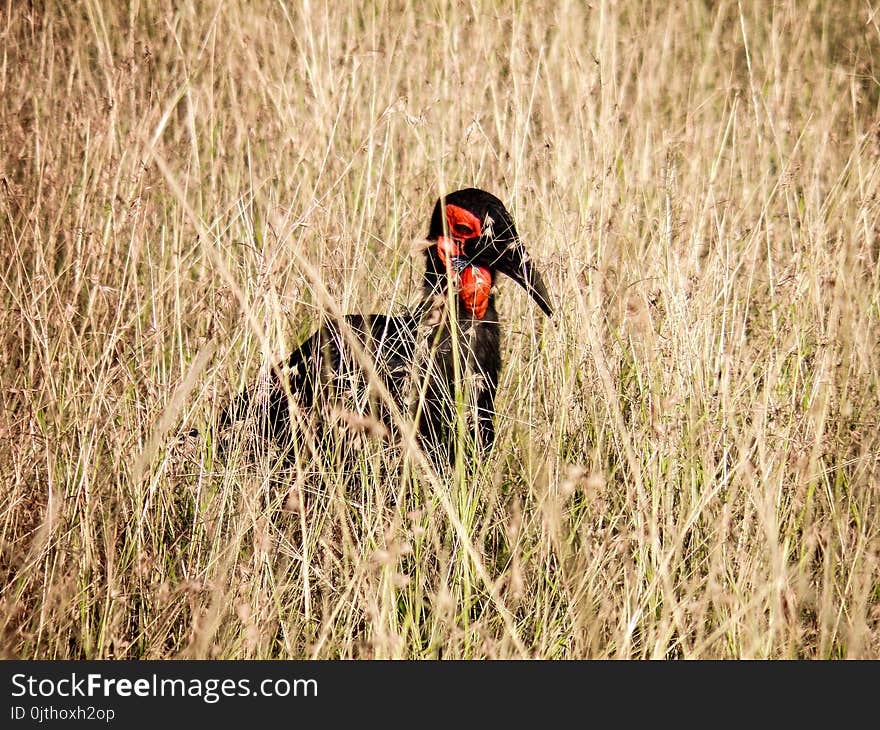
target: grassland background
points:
(688, 459)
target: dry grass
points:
(688, 461)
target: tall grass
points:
(688, 457)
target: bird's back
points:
(333, 376)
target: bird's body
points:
(442, 356)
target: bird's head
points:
(472, 237)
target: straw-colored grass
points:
(688, 457)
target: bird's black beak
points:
(515, 263)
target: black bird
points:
(471, 240)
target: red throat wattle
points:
(475, 282)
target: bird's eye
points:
(462, 229)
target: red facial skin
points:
(475, 282)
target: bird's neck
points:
(434, 283)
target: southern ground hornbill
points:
(471, 240)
